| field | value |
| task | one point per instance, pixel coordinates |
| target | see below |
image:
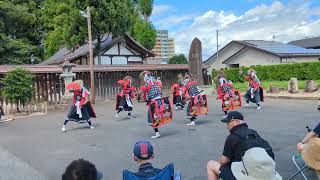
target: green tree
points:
(178, 59)
(17, 85)
(20, 32)
(54, 16)
(144, 33)
(145, 7)
(108, 16)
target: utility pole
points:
(217, 45)
(88, 16)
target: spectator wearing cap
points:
(142, 154)
(312, 134)
(81, 170)
(233, 150)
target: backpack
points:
(251, 140)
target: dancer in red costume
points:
(177, 90)
(198, 104)
(159, 109)
(124, 98)
(81, 110)
(255, 91)
(230, 98)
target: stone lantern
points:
(67, 76)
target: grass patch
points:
(265, 84)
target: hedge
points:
(280, 72)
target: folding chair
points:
(166, 173)
(300, 168)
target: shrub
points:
(280, 72)
(17, 85)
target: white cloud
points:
(173, 20)
(285, 21)
(161, 9)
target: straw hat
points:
(255, 164)
(310, 153)
(128, 77)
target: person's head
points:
(221, 74)
(233, 119)
(81, 170)
(251, 71)
(142, 152)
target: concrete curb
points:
(292, 97)
(289, 97)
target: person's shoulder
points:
(232, 137)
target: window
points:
(119, 60)
(234, 65)
(288, 60)
(105, 60)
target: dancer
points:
(159, 109)
(178, 95)
(255, 92)
(198, 103)
(81, 110)
(230, 98)
(124, 102)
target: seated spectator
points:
(240, 140)
(81, 170)
(142, 154)
(312, 134)
(256, 164)
(310, 154)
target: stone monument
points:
(310, 86)
(195, 61)
(293, 86)
(67, 76)
(273, 89)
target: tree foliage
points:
(20, 31)
(108, 16)
(18, 85)
(145, 7)
(144, 33)
(39, 28)
(280, 72)
(54, 16)
(178, 59)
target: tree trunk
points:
(145, 17)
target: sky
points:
(281, 20)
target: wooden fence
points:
(49, 86)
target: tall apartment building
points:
(164, 48)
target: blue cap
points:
(143, 150)
(99, 175)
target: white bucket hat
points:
(256, 164)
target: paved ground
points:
(39, 146)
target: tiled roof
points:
(279, 48)
(107, 41)
(307, 43)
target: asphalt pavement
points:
(35, 147)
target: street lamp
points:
(88, 16)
